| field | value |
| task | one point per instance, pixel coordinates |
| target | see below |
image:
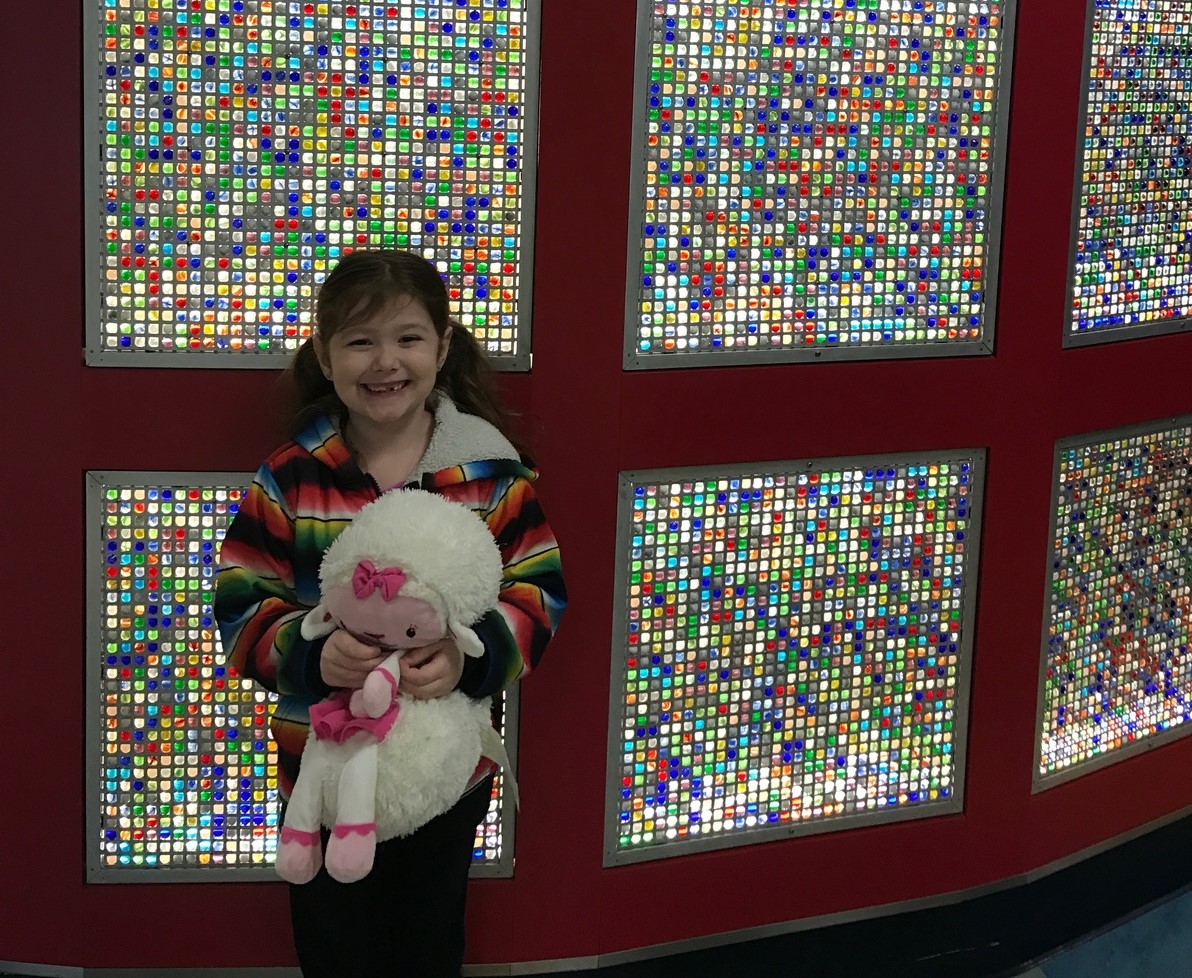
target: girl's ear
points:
(321, 354)
(444, 347)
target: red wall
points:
(66, 418)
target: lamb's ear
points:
(493, 747)
(468, 641)
(318, 623)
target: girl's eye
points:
(358, 342)
(412, 338)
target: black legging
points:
(406, 918)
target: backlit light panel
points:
(1132, 261)
(1116, 673)
(245, 145)
(793, 656)
(186, 784)
(818, 177)
(186, 765)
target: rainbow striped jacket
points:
(304, 495)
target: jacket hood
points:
(462, 447)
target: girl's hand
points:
(431, 671)
(346, 661)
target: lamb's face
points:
(397, 623)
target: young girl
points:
(392, 393)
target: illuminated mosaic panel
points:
(1132, 265)
(186, 784)
(1116, 672)
(794, 654)
(245, 145)
(185, 758)
(816, 178)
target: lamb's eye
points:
(411, 632)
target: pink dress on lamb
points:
(332, 719)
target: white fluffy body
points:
(450, 560)
(441, 545)
(423, 766)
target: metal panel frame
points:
(1043, 782)
(1106, 334)
(97, 482)
(634, 360)
(951, 806)
(95, 355)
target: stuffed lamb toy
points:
(411, 568)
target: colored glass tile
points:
(816, 176)
(1132, 264)
(792, 655)
(244, 146)
(1116, 672)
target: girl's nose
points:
(388, 355)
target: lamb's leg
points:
(299, 849)
(353, 841)
(380, 689)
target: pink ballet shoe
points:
(299, 855)
(350, 851)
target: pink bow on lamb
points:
(367, 579)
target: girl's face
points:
(383, 368)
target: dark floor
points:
(1128, 909)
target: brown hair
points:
(357, 288)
